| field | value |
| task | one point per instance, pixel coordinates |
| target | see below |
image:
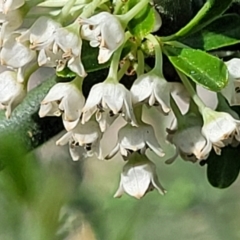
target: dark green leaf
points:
(223, 170)
(143, 23)
(211, 10)
(222, 32)
(201, 67)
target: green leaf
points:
(211, 10)
(223, 170)
(143, 23)
(201, 67)
(224, 31)
(89, 57)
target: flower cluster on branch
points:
(56, 41)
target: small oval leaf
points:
(201, 67)
(223, 170)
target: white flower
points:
(107, 96)
(190, 144)
(41, 33)
(232, 91)
(16, 54)
(11, 92)
(139, 138)
(105, 31)
(64, 99)
(9, 5)
(69, 41)
(87, 136)
(139, 177)
(9, 23)
(152, 89)
(220, 128)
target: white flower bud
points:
(105, 31)
(139, 177)
(107, 96)
(139, 138)
(11, 92)
(87, 136)
(152, 89)
(64, 99)
(220, 128)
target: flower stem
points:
(158, 56)
(90, 8)
(63, 15)
(138, 113)
(127, 17)
(176, 110)
(192, 92)
(119, 4)
(140, 67)
(78, 81)
(113, 70)
(31, 69)
(123, 69)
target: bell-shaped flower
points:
(40, 34)
(11, 92)
(68, 40)
(220, 128)
(109, 96)
(64, 99)
(232, 91)
(190, 144)
(9, 23)
(16, 54)
(105, 31)
(138, 177)
(87, 136)
(132, 139)
(10, 5)
(152, 89)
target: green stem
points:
(127, 17)
(119, 4)
(90, 8)
(30, 70)
(176, 111)
(138, 113)
(78, 81)
(140, 67)
(63, 15)
(113, 70)
(158, 56)
(123, 70)
(192, 92)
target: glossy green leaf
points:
(143, 23)
(223, 170)
(201, 67)
(211, 10)
(224, 31)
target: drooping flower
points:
(190, 144)
(11, 92)
(87, 136)
(132, 139)
(15, 54)
(109, 96)
(105, 31)
(139, 177)
(220, 128)
(9, 22)
(154, 90)
(69, 41)
(64, 99)
(10, 5)
(40, 34)
(232, 91)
